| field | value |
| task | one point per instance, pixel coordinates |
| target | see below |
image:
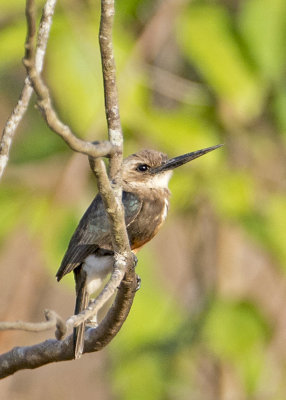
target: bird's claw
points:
(138, 283)
(135, 260)
(92, 322)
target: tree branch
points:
(44, 101)
(53, 321)
(25, 96)
(30, 357)
(110, 88)
(111, 193)
(123, 275)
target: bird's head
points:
(153, 169)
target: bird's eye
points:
(142, 167)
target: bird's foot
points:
(135, 260)
(138, 281)
(92, 322)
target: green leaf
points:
(233, 193)
(206, 37)
(39, 141)
(276, 223)
(279, 107)
(263, 26)
(12, 39)
(13, 201)
(13, 6)
(74, 74)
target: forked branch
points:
(44, 102)
(123, 275)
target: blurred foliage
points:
(241, 340)
(234, 56)
(209, 38)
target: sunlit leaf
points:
(263, 26)
(205, 35)
(233, 193)
(12, 40)
(74, 73)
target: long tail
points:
(82, 299)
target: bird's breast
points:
(148, 222)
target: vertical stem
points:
(31, 29)
(110, 90)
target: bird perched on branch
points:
(145, 197)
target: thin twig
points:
(30, 357)
(53, 320)
(110, 91)
(44, 102)
(25, 96)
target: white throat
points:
(159, 181)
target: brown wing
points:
(93, 232)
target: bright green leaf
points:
(205, 35)
(263, 26)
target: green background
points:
(191, 74)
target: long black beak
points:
(175, 162)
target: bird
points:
(145, 198)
